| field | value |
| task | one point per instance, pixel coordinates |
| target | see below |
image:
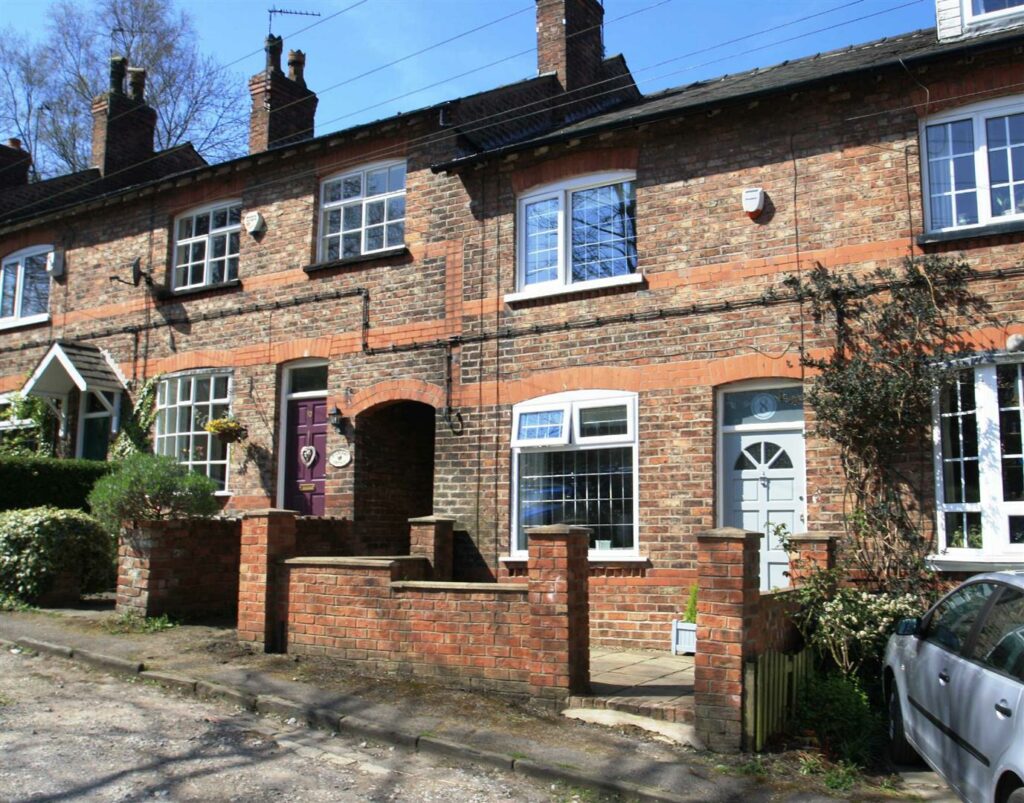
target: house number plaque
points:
(340, 458)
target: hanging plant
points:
(228, 429)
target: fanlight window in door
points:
(763, 454)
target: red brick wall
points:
(520, 638)
(182, 568)
(444, 634)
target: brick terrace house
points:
(544, 303)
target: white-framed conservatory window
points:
(184, 404)
(979, 462)
(579, 233)
(206, 244)
(362, 211)
(25, 287)
(974, 165)
(574, 461)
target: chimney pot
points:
(297, 66)
(137, 83)
(274, 46)
(118, 64)
(15, 143)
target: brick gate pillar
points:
(559, 611)
(268, 536)
(728, 568)
(432, 537)
(809, 552)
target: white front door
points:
(763, 478)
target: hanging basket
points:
(227, 430)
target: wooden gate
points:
(772, 683)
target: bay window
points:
(980, 462)
(184, 405)
(574, 458)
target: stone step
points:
(675, 711)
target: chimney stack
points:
(14, 165)
(122, 125)
(283, 107)
(570, 41)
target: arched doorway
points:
(394, 473)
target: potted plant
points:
(684, 631)
(228, 429)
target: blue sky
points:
(665, 42)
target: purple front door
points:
(306, 456)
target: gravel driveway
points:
(67, 733)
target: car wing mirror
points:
(908, 627)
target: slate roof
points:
(907, 48)
(90, 362)
(31, 200)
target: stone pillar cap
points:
(431, 519)
(268, 511)
(723, 533)
(813, 536)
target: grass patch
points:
(134, 623)
(841, 776)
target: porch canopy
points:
(69, 365)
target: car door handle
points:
(943, 677)
(1004, 709)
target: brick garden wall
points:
(181, 568)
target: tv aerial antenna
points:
(285, 11)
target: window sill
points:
(576, 289)
(598, 559)
(31, 320)
(163, 295)
(981, 563)
(347, 261)
(988, 230)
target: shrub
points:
(37, 544)
(836, 708)
(690, 614)
(147, 487)
(43, 481)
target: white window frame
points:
(111, 410)
(165, 382)
(19, 257)
(563, 191)
(571, 403)
(227, 231)
(993, 17)
(363, 199)
(994, 511)
(977, 113)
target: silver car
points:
(954, 682)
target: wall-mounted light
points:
(337, 420)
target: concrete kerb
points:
(325, 719)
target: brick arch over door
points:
(396, 390)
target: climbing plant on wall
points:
(135, 431)
(896, 334)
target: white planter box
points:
(684, 638)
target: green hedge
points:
(38, 481)
(38, 543)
